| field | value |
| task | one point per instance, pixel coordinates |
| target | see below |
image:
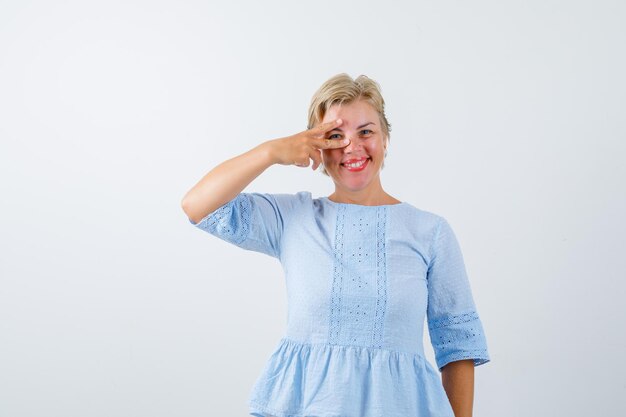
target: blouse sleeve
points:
(251, 221)
(455, 329)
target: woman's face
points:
(361, 125)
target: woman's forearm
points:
(225, 181)
(458, 381)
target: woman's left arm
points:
(458, 380)
(456, 330)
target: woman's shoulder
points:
(404, 213)
(426, 214)
(284, 199)
(417, 219)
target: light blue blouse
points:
(360, 282)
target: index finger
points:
(331, 143)
(325, 127)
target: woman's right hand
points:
(299, 148)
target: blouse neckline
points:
(361, 205)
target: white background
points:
(508, 119)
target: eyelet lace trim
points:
(450, 320)
(231, 227)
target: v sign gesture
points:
(299, 148)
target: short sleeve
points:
(251, 221)
(456, 331)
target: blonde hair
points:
(340, 89)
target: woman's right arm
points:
(224, 182)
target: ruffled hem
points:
(322, 380)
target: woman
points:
(363, 270)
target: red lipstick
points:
(356, 160)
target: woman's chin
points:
(353, 184)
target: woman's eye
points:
(364, 131)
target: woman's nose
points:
(354, 144)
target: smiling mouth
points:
(355, 167)
(361, 162)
